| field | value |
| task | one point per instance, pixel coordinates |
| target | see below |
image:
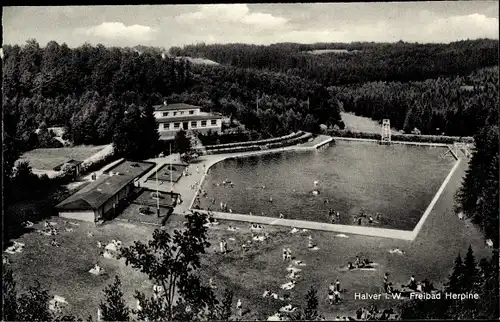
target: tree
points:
(478, 196)
(30, 306)
(114, 308)
(9, 295)
(136, 136)
(310, 312)
(171, 261)
(454, 284)
(223, 311)
(182, 144)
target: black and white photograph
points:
(333, 161)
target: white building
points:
(172, 118)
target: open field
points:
(356, 123)
(332, 51)
(47, 159)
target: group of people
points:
(223, 206)
(49, 229)
(287, 254)
(358, 263)
(194, 186)
(425, 286)
(334, 292)
(225, 183)
(371, 312)
(334, 215)
(363, 217)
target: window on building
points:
(203, 123)
(213, 122)
(176, 125)
(165, 113)
(191, 112)
(182, 112)
(193, 123)
(174, 113)
(166, 125)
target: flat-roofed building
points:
(172, 118)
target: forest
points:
(455, 106)
(88, 89)
(363, 62)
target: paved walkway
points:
(312, 225)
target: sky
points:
(177, 25)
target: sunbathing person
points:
(412, 284)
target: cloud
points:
(117, 30)
(231, 14)
(469, 26)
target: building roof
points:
(185, 118)
(95, 194)
(176, 106)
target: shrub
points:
(403, 137)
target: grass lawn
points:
(131, 214)
(166, 171)
(356, 123)
(47, 159)
(64, 270)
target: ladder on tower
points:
(386, 132)
(461, 146)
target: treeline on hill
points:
(362, 62)
(456, 106)
(88, 89)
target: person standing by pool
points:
(331, 295)
(337, 285)
(239, 307)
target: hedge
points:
(233, 137)
(403, 137)
(259, 142)
(283, 143)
